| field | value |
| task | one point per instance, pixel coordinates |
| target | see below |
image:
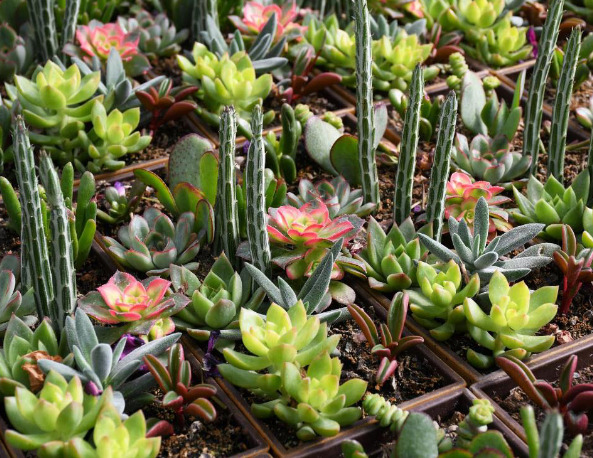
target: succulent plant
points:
(175, 382)
(335, 194)
(256, 15)
(309, 232)
(216, 301)
(281, 152)
(98, 366)
(553, 205)
(67, 410)
(390, 344)
(490, 159)
(13, 301)
(429, 111)
(16, 53)
(151, 243)
(142, 306)
(164, 105)
(463, 195)
(389, 258)
(120, 206)
(585, 115)
(477, 255)
(111, 436)
(575, 266)
(573, 401)
(229, 80)
(515, 315)
(437, 305)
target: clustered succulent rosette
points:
(256, 15)
(151, 243)
(462, 196)
(300, 237)
(16, 53)
(490, 159)
(143, 307)
(13, 301)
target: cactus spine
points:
(70, 20)
(259, 244)
(364, 104)
(62, 257)
(36, 270)
(562, 106)
(226, 199)
(535, 99)
(404, 179)
(437, 190)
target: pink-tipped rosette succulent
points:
(302, 236)
(256, 15)
(462, 196)
(142, 306)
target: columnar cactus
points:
(257, 234)
(537, 86)
(201, 10)
(437, 192)
(70, 20)
(41, 15)
(562, 106)
(36, 269)
(364, 104)
(63, 272)
(226, 201)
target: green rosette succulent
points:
(515, 315)
(437, 305)
(12, 301)
(60, 412)
(16, 53)
(152, 242)
(216, 301)
(284, 336)
(471, 16)
(230, 80)
(502, 45)
(112, 436)
(315, 403)
(554, 205)
(390, 258)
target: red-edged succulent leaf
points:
(567, 374)
(569, 241)
(576, 424)
(522, 376)
(386, 370)
(396, 316)
(159, 372)
(575, 391)
(172, 400)
(146, 100)
(386, 338)
(179, 109)
(202, 408)
(549, 393)
(176, 359)
(381, 352)
(583, 402)
(405, 344)
(185, 93)
(201, 391)
(321, 81)
(365, 323)
(159, 428)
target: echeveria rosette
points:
(489, 159)
(152, 243)
(141, 306)
(256, 15)
(554, 205)
(309, 233)
(502, 45)
(462, 196)
(516, 314)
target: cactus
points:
(257, 234)
(201, 11)
(562, 106)
(364, 104)
(437, 190)
(537, 86)
(41, 15)
(62, 257)
(404, 180)
(70, 19)
(226, 218)
(36, 270)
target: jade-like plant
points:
(337, 195)
(99, 366)
(12, 300)
(573, 401)
(119, 203)
(437, 305)
(390, 343)
(151, 243)
(60, 412)
(514, 317)
(215, 301)
(554, 205)
(390, 258)
(143, 307)
(300, 237)
(477, 255)
(175, 382)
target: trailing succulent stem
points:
(537, 86)
(257, 234)
(437, 191)
(226, 217)
(364, 104)
(407, 157)
(562, 106)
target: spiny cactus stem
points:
(70, 20)
(41, 15)
(364, 104)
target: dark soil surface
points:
(580, 96)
